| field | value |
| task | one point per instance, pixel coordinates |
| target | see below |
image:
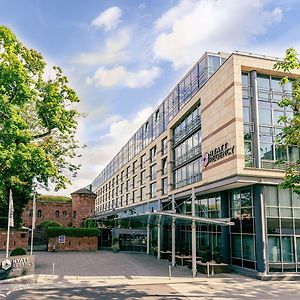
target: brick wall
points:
(48, 209)
(18, 239)
(74, 243)
(84, 206)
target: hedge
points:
(48, 223)
(51, 198)
(71, 231)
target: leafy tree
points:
(290, 136)
(37, 124)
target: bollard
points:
(53, 264)
(170, 271)
(207, 269)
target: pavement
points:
(107, 275)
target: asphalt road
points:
(161, 291)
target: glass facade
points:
(283, 229)
(159, 120)
(242, 234)
(269, 93)
(187, 149)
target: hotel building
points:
(202, 171)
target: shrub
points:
(18, 251)
(71, 231)
(49, 223)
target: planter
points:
(216, 268)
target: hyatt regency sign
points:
(216, 154)
(16, 266)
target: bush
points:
(71, 231)
(49, 223)
(18, 251)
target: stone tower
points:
(83, 205)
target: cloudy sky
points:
(123, 57)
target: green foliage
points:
(37, 125)
(205, 254)
(18, 251)
(71, 231)
(89, 223)
(50, 198)
(290, 136)
(48, 223)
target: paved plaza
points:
(107, 275)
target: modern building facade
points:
(203, 168)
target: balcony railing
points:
(189, 155)
(191, 127)
(188, 181)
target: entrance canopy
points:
(167, 218)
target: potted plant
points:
(217, 255)
(115, 245)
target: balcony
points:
(189, 129)
(188, 181)
(188, 156)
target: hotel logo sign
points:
(216, 154)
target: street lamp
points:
(33, 215)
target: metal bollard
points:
(207, 269)
(53, 264)
(170, 271)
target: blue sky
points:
(123, 57)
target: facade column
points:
(158, 239)
(194, 265)
(148, 239)
(173, 202)
(260, 227)
(255, 119)
(173, 241)
(225, 236)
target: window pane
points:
(274, 249)
(285, 198)
(266, 151)
(236, 246)
(265, 116)
(287, 249)
(270, 193)
(263, 82)
(248, 247)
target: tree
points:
(290, 135)
(37, 125)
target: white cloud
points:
(113, 51)
(108, 19)
(120, 77)
(193, 27)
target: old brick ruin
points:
(69, 213)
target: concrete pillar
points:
(148, 239)
(173, 241)
(194, 258)
(260, 227)
(225, 238)
(173, 202)
(158, 239)
(194, 265)
(255, 119)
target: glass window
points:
(274, 249)
(271, 195)
(236, 246)
(285, 198)
(266, 151)
(287, 249)
(265, 116)
(245, 79)
(153, 172)
(263, 82)
(275, 84)
(248, 247)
